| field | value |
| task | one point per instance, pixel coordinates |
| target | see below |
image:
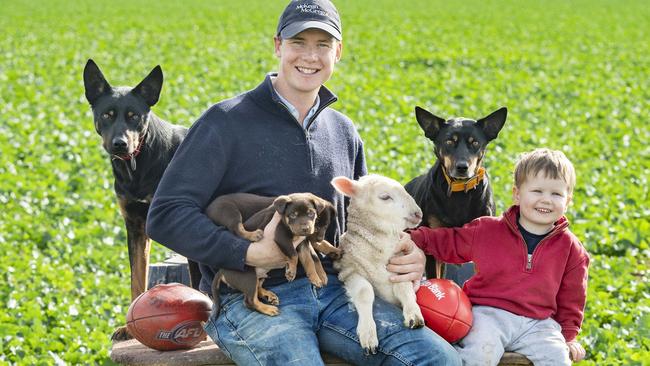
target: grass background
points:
(574, 75)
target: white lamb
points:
(380, 209)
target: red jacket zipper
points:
(529, 257)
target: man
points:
(280, 138)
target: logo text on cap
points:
(311, 8)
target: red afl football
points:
(168, 317)
(445, 308)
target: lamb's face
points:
(388, 200)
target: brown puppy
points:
(246, 215)
(316, 243)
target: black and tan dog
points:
(302, 215)
(140, 146)
(456, 189)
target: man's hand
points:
(576, 351)
(407, 263)
(266, 253)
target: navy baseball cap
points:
(304, 14)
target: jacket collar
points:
(265, 95)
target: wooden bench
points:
(207, 353)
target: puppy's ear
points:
(280, 204)
(331, 209)
(345, 186)
(319, 204)
(150, 87)
(430, 123)
(492, 124)
(94, 82)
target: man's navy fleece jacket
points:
(250, 143)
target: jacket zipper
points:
(320, 109)
(529, 257)
(305, 130)
(529, 264)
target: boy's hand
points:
(407, 263)
(576, 351)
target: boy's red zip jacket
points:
(551, 283)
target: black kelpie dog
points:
(302, 215)
(456, 189)
(140, 146)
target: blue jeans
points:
(313, 320)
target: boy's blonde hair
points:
(553, 163)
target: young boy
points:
(528, 294)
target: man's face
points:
(306, 60)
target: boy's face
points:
(542, 201)
(306, 60)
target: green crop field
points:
(575, 76)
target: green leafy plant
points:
(573, 75)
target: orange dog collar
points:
(464, 185)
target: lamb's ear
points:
(345, 186)
(280, 204)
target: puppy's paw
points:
(368, 338)
(335, 254)
(323, 279)
(257, 235)
(269, 297)
(121, 334)
(316, 281)
(269, 310)
(290, 275)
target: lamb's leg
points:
(410, 308)
(362, 296)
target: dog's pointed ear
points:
(345, 185)
(492, 124)
(280, 204)
(94, 82)
(430, 123)
(150, 87)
